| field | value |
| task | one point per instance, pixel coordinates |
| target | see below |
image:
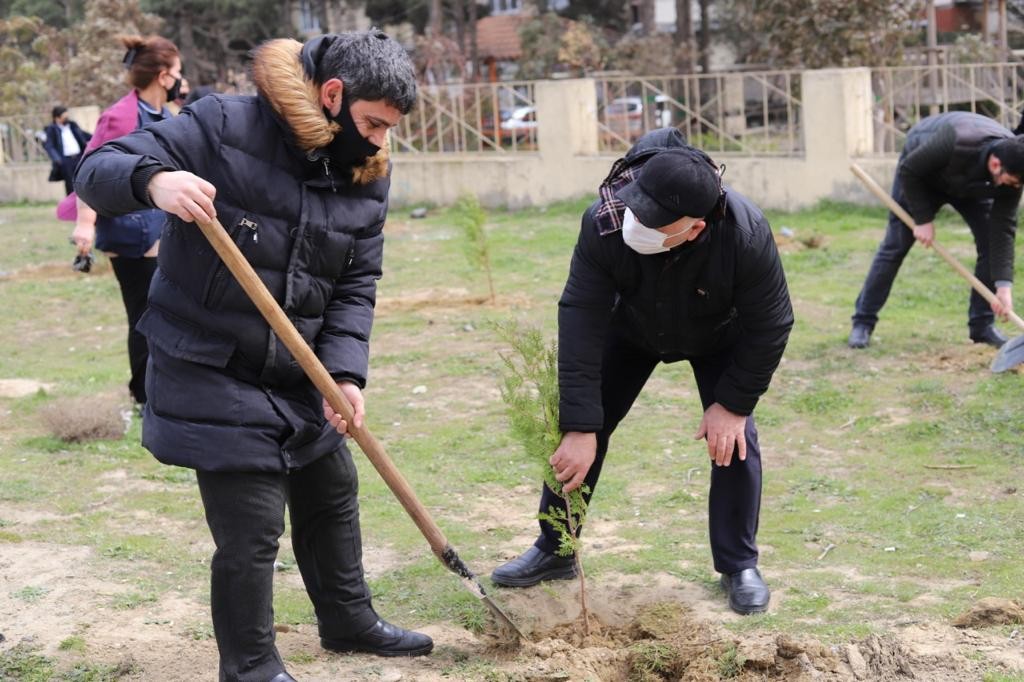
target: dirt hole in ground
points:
(668, 641)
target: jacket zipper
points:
(327, 172)
(245, 222)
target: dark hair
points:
(373, 66)
(57, 112)
(146, 58)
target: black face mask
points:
(175, 90)
(348, 147)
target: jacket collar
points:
(281, 81)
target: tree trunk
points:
(1003, 42)
(187, 45)
(435, 20)
(474, 53)
(322, 18)
(286, 17)
(459, 10)
(683, 37)
(704, 43)
(647, 17)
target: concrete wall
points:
(837, 127)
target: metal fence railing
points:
(904, 95)
(754, 113)
(483, 117)
(21, 139)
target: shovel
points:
(1012, 352)
(317, 373)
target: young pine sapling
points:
(530, 392)
(470, 217)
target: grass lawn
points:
(892, 492)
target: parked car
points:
(520, 125)
(624, 116)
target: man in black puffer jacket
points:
(669, 267)
(298, 175)
(975, 165)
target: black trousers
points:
(133, 276)
(734, 503)
(897, 243)
(245, 513)
(68, 164)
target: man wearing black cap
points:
(975, 165)
(669, 267)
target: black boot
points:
(747, 591)
(383, 639)
(989, 335)
(282, 677)
(533, 566)
(860, 336)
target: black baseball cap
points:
(672, 184)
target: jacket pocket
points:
(333, 253)
(244, 231)
(186, 341)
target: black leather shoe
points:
(989, 335)
(383, 639)
(533, 566)
(747, 591)
(860, 336)
(282, 677)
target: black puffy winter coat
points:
(946, 158)
(725, 290)
(224, 393)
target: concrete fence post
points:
(837, 117)
(567, 118)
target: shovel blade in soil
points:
(1010, 355)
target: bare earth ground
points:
(155, 643)
(633, 616)
(158, 641)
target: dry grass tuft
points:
(81, 419)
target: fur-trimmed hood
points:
(280, 79)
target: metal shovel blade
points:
(450, 558)
(1010, 355)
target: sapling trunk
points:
(530, 392)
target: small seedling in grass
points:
(530, 392)
(730, 663)
(470, 217)
(73, 643)
(31, 594)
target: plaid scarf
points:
(624, 171)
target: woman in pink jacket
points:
(131, 241)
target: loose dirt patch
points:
(54, 271)
(643, 628)
(21, 388)
(447, 298)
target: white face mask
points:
(645, 240)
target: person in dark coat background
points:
(975, 165)
(65, 141)
(299, 175)
(669, 267)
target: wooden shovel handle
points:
(318, 374)
(902, 214)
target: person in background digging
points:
(669, 267)
(298, 175)
(131, 240)
(975, 165)
(65, 141)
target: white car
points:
(521, 124)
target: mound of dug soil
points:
(677, 637)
